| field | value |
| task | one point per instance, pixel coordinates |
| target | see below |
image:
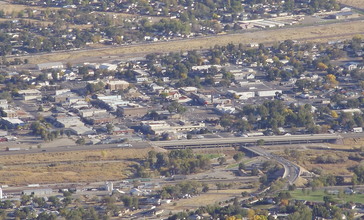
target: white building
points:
(268, 93)
(4, 104)
(108, 66)
(243, 94)
(30, 94)
(46, 66)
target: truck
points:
(124, 145)
(12, 148)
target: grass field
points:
(318, 195)
(78, 166)
(321, 33)
(209, 198)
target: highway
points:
(193, 143)
(237, 141)
(291, 170)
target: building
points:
(342, 15)
(112, 101)
(37, 192)
(117, 85)
(242, 94)
(91, 112)
(81, 130)
(160, 127)
(30, 94)
(132, 111)
(268, 93)
(4, 104)
(11, 122)
(108, 66)
(99, 119)
(358, 129)
(11, 113)
(47, 66)
(65, 121)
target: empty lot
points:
(320, 33)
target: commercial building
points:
(160, 127)
(47, 66)
(132, 111)
(117, 85)
(30, 94)
(11, 122)
(37, 192)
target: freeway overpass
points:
(291, 170)
(247, 141)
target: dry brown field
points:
(77, 166)
(321, 33)
(353, 3)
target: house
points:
(351, 66)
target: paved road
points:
(214, 142)
(291, 170)
(72, 148)
(248, 140)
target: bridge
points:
(291, 170)
(247, 141)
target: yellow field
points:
(318, 33)
(77, 166)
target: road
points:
(200, 143)
(71, 148)
(291, 170)
(247, 140)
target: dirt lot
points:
(316, 33)
(78, 166)
(353, 3)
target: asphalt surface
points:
(291, 170)
(192, 143)
(236, 140)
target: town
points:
(254, 130)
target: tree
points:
(222, 160)
(260, 142)
(80, 141)
(110, 128)
(321, 66)
(242, 166)
(239, 156)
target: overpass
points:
(247, 141)
(291, 170)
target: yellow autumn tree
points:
(334, 114)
